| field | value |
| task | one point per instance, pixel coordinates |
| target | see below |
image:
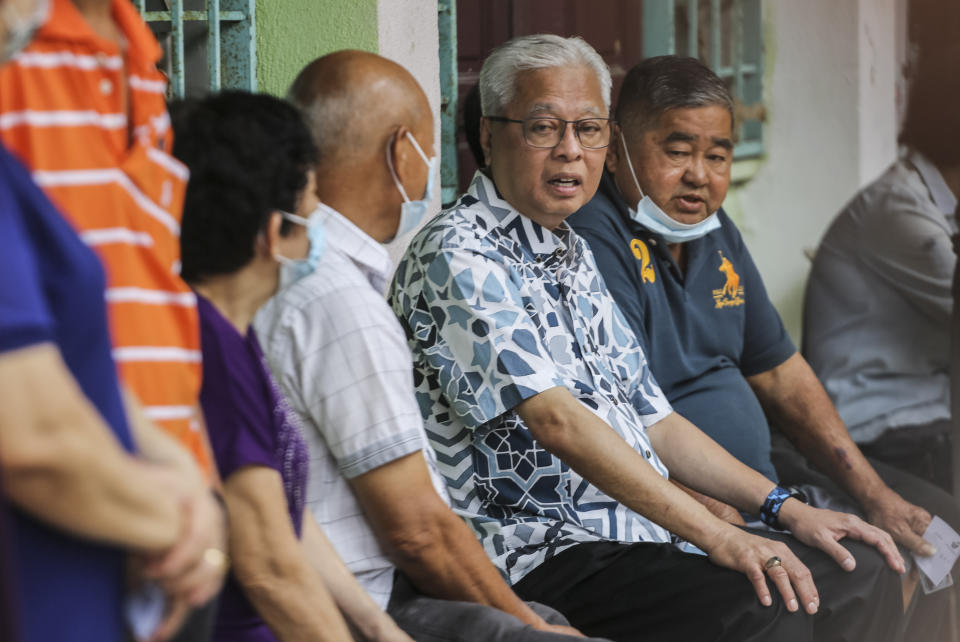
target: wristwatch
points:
(770, 511)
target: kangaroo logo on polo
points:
(642, 254)
(731, 294)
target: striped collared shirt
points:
(90, 121)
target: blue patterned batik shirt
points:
(498, 309)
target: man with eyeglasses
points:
(553, 436)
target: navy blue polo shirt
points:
(52, 291)
(704, 331)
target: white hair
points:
(528, 53)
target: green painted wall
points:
(291, 33)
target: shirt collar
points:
(66, 23)
(348, 240)
(943, 198)
(537, 239)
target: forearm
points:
(722, 510)
(61, 463)
(291, 598)
(356, 605)
(451, 564)
(270, 563)
(589, 446)
(793, 398)
(102, 495)
(696, 460)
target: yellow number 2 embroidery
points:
(642, 254)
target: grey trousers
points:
(428, 619)
(929, 617)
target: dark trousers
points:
(923, 451)
(929, 620)
(654, 592)
(428, 619)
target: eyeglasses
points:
(546, 132)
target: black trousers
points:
(654, 592)
(929, 617)
(923, 451)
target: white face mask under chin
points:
(648, 214)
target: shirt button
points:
(106, 87)
(616, 402)
(647, 453)
(653, 241)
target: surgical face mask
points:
(20, 28)
(292, 270)
(412, 212)
(649, 215)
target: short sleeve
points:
(236, 400)
(473, 328)
(617, 264)
(24, 316)
(911, 253)
(766, 343)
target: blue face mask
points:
(649, 215)
(292, 270)
(412, 212)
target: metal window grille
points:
(231, 57)
(447, 23)
(727, 35)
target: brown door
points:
(612, 27)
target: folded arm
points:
(61, 463)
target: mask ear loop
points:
(626, 154)
(393, 173)
(293, 218)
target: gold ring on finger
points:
(215, 558)
(773, 562)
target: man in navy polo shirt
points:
(678, 268)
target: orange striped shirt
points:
(90, 120)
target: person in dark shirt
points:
(679, 269)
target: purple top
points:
(249, 425)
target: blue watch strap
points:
(770, 511)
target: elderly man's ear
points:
(485, 135)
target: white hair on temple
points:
(529, 53)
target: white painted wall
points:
(409, 36)
(831, 74)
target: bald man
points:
(342, 359)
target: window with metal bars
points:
(207, 44)
(727, 35)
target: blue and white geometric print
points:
(498, 309)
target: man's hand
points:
(194, 569)
(824, 529)
(904, 521)
(741, 551)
